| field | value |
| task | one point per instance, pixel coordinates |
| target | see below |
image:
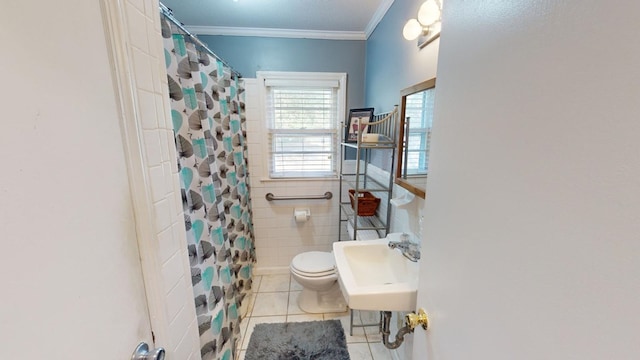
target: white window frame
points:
(297, 79)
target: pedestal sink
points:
(374, 277)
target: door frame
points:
(123, 71)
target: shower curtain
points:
(207, 109)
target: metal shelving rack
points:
(360, 179)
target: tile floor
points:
(274, 300)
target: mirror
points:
(416, 119)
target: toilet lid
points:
(314, 262)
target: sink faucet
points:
(409, 249)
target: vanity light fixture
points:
(426, 27)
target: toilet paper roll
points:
(301, 215)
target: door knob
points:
(142, 353)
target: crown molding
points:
(296, 33)
(282, 33)
(377, 17)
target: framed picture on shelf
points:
(358, 123)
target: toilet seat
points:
(314, 264)
(313, 275)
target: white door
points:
(70, 276)
(532, 231)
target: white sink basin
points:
(374, 277)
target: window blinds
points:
(419, 109)
(303, 128)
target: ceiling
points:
(316, 19)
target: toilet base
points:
(317, 302)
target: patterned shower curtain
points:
(207, 108)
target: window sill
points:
(265, 180)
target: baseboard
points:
(271, 270)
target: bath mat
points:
(317, 340)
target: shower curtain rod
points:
(169, 14)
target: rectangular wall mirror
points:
(416, 119)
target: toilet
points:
(316, 272)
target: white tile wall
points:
(153, 114)
(407, 218)
(152, 147)
(136, 22)
(147, 109)
(167, 245)
(142, 68)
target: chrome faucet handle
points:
(413, 254)
(409, 249)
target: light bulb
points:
(412, 29)
(429, 13)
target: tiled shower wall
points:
(146, 56)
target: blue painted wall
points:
(250, 54)
(376, 69)
(393, 63)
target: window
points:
(419, 110)
(303, 111)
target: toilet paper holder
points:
(301, 215)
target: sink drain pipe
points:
(410, 322)
(386, 332)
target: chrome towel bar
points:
(270, 197)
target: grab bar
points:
(270, 197)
